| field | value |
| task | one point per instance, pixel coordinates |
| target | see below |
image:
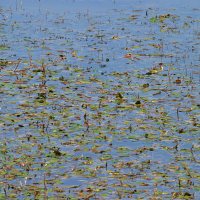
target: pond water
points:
(99, 99)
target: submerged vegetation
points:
(99, 103)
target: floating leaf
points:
(119, 95)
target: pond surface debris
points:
(99, 100)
